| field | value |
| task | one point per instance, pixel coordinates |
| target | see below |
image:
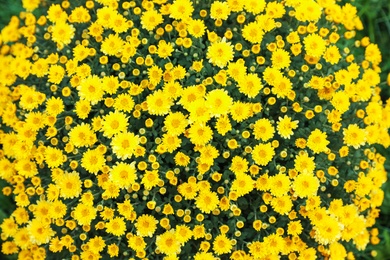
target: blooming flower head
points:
(262, 154)
(285, 126)
(181, 9)
(219, 10)
(220, 53)
(314, 45)
(146, 225)
(317, 141)
(207, 201)
(63, 33)
(354, 136)
(168, 243)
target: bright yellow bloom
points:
(219, 10)
(93, 161)
(70, 185)
(53, 157)
(40, 231)
(252, 33)
(207, 201)
(63, 33)
(123, 174)
(84, 214)
(354, 136)
(220, 53)
(116, 226)
(90, 89)
(168, 243)
(263, 129)
(222, 245)
(285, 127)
(305, 185)
(219, 102)
(196, 28)
(262, 154)
(158, 103)
(150, 179)
(181, 9)
(315, 45)
(317, 141)
(146, 225)
(243, 184)
(150, 19)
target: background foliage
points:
(375, 15)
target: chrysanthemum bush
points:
(190, 130)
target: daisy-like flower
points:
(263, 129)
(114, 123)
(239, 165)
(56, 74)
(243, 184)
(303, 163)
(282, 205)
(200, 134)
(219, 102)
(317, 141)
(279, 185)
(112, 45)
(175, 123)
(222, 245)
(82, 135)
(63, 33)
(305, 185)
(116, 226)
(82, 108)
(219, 10)
(250, 85)
(207, 201)
(181, 9)
(196, 28)
(91, 89)
(285, 126)
(262, 154)
(137, 243)
(315, 45)
(40, 231)
(188, 190)
(150, 179)
(70, 185)
(327, 230)
(354, 136)
(240, 111)
(164, 49)
(220, 53)
(93, 161)
(146, 225)
(280, 59)
(123, 174)
(84, 214)
(155, 74)
(183, 233)
(53, 157)
(199, 112)
(340, 101)
(124, 102)
(124, 145)
(254, 6)
(150, 19)
(158, 103)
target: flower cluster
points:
(160, 129)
